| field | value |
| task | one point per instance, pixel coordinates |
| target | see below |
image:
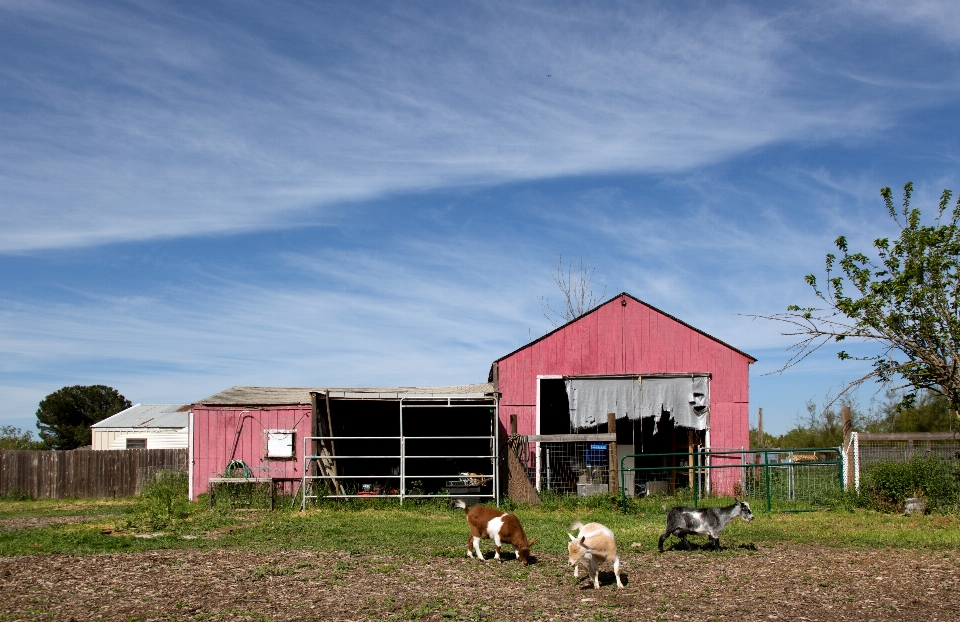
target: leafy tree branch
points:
(904, 299)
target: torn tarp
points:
(592, 398)
(685, 399)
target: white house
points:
(144, 426)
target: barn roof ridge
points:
(603, 304)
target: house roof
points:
(148, 416)
(618, 296)
(276, 396)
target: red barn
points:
(672, 386)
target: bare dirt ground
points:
(782, 583)
(33, 522)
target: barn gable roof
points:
(611, 301)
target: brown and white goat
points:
(501, 527)
(592, 546)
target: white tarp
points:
(685, 399)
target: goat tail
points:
(577, 526)
(460, 503)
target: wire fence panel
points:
(867, 450)
(566, 465)
(785, 480)
(875, 451)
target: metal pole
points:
(496, 446)
(403, 457)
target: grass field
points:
(130, 560)
(429, 529)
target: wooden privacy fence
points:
(83, 472)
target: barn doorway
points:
(641, 440)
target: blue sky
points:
(198, 196)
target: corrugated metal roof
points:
(147, 416)
(463, 390)
(264, 396)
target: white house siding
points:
(156, 439)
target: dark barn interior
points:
(435, 453)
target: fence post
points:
(847, 446)
(766, 469)
(612, 453)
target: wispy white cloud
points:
(137, 123)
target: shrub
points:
(888, 484)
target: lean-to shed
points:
(673, 388)
(401, 441)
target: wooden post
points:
(612, 453)
(513, 424)
(847, 419)
(327, 466)
(760, 442)
(690, 457)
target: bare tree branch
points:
(574, 284)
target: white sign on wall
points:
(279, 443)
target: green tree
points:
(904, 301)
(926, 413)
(14, 438)
(756, 442)
(65, 416)
(823, 427)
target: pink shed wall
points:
(637, 339)
(215, 431)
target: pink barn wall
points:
(630, 339)
(215, 432)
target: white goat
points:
(592, 546)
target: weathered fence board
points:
(84, 473)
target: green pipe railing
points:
(699, 456)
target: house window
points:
(136, 443)
(279, 443)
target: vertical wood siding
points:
(84, 473)
(215, 431)
(630, 339)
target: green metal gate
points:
(785, 480)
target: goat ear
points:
(571, 537)
(582, 538)
(532, 540)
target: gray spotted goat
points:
(683, 521)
